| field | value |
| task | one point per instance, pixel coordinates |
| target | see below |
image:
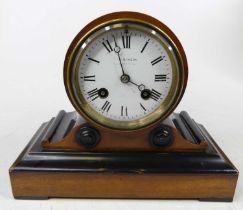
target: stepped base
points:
(42, 174)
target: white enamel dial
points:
(132, 53)
(124, 75)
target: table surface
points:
(34, 37)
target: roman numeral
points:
(155, 95)
(160, 77)
(126, 40)
(145, 46)
(107, 45)
(93, 94)
(157, 60)
(106, 107)
(143, 107)
(91, 59)
(124, 111)
(89, 78)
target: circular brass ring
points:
(119, 17)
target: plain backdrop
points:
(34, 37)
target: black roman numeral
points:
(93, 94)
(160, 77)
(91, 59)
(155, 95)
(145, 46)
(107, 45)
(143, 107)
(157, 60)
(126, 40)
(124, 111)
(89, 78)
(106, 107)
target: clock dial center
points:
(125, 78)
(125, 75)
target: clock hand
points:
(145, 93)
(117, 50)
(141, 87)
(125, 77)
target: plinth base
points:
(41, 174)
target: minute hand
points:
(117, 50)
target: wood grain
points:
(46, 184)
(121, 141)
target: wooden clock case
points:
(54, 164)
(58, 163)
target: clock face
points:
(117, 55)
(124, 75)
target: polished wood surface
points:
(41, 173)
(117, 141)
(112, 140)
(76, 185)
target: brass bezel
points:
(162, 111)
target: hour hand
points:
(141, 87)
(145, 93)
